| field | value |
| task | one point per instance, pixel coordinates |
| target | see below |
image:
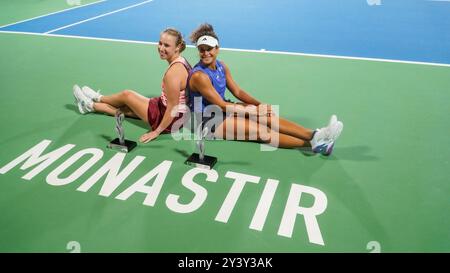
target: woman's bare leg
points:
(127, 111)
(105, 108)
(135, 102)
(288, 127)
(257, 132)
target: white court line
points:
(99, 16)
(81, 37)
(52, 13)
(233, 49)
(335, 56)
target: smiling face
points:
(167, 48)
(207, 54)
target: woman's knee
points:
(126, 94)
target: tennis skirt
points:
(155, 114)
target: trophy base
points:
(126, 147)
(208, 162)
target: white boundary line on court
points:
(98, 16)
(233, 49)
(52, 13)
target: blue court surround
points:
(410, 30)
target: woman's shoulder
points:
(224, 67)
(185, 61)
(222, 64)
(177, 70)
(181, 62)
(198, 67)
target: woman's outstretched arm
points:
(201, 83)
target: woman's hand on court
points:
(148, 136)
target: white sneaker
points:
(335, 132)
(324, 138)
(90, 93)
(320, 141)
(85, 104)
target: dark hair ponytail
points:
(203, 29)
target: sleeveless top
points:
(182, 99)
(218, 80)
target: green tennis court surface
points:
(14, 11)
(385, 188)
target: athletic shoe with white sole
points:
(322, 135)
(90, 93)
(85, 104)
(324, 138)
(335, 132)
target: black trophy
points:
(199, 159)
(120, 143)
